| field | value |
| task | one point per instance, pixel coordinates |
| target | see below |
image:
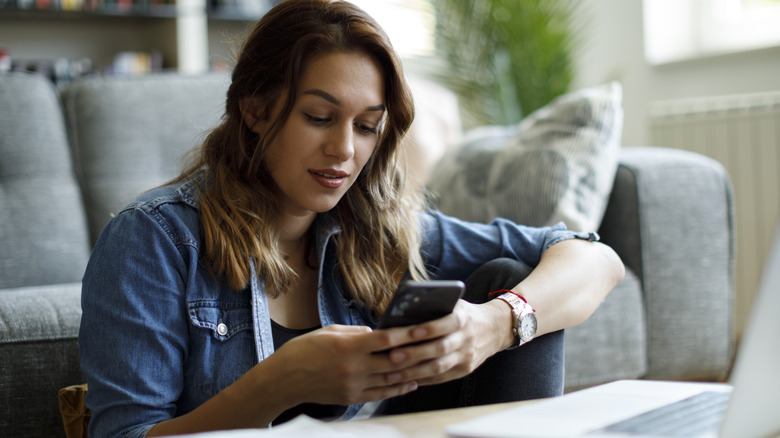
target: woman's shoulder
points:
(172, 208)
(185, 193)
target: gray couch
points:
(70, 157)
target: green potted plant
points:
(505, 58)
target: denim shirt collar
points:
(259, 298)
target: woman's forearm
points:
(240, 405)
(571, 280)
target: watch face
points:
(528, 327)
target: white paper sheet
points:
(306, 427)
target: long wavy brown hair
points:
(379, 239)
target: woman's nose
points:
(340, 142)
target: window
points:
(676, 30)
(410, 24)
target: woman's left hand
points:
(455, 345)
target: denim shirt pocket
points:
(222, 320)
(221, 343)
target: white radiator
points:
(743, 133)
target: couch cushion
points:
(129, 134)
(39, 346)
(43, 235)
(612, 343)
(558, 164)
(685, 239)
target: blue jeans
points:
(535, 370)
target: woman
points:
(245, 292)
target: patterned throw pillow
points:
(558, 164)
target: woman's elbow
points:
(613, 266)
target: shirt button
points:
(222, 329)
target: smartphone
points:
(416, 302)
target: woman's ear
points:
(253, 113)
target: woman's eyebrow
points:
(332, 99)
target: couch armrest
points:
(40, 354)
(671, 219)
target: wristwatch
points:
(524, 325)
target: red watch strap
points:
(507, 291)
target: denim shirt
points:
(160, 335)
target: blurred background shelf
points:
(69, 38)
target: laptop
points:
(747, 407)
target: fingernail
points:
(411, 386)
(393, 377)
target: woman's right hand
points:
(340, 364)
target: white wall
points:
(612, 49)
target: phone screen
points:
(417, 302)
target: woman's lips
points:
(329, 178)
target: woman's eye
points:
(317, 120)
(366, 129)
